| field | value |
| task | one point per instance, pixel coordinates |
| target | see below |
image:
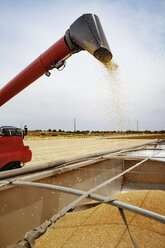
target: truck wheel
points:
(11, 165)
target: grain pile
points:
(102, 226)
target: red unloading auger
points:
(85, 33)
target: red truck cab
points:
(13, 153)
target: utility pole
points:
(74, 125)
(137, 126)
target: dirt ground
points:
(45, 149)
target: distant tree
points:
(147, 131)
(49, 130)
(162, 131)
(128, 131)
(85, 132)
(42, 134)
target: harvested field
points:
(54, 148)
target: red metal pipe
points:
(35, 70)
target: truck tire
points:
(11, 165)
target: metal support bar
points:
(125, 222)
(92, 196)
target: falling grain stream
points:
(115, 100)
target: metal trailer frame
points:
(30, 237)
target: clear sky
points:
(84, 90)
